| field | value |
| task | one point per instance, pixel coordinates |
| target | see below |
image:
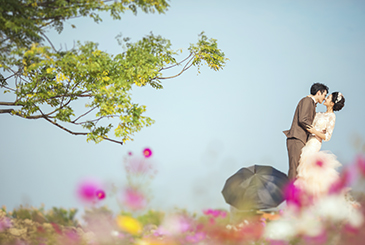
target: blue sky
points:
(207, 125)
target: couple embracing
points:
(313, 170)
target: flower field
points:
(337, 218)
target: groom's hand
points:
(310, 129)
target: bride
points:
(317, 169)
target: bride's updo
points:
(338, 100)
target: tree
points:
(46, 83)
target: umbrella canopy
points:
(255, 187)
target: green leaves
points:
(84, 86)
(207, 50)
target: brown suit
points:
(297, 135)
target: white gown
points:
(317, 169)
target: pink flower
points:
(56, 228)
(350, 229)
(72, 237)
(147, 152)
(347, 177)
(100, 194)
(87, 190)
(360, 163)
(319, 239)
(134, 199)
(215, 213)
(293, 195)
(5, 223)
(135, 165)
(197, 237)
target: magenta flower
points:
(293, 195)
(215, 213)
(147, 152)
(134, 199)
(87, 190)
(100, 194)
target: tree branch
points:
(7, 103)
(49, 41)
(115, 141)
(184, 69)
(74, 121)
(61, 127)
(165, 68)
(6, 111)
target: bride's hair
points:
(338, 100)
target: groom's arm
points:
(306, 113)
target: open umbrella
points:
(256, 187)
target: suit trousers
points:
(294, 146)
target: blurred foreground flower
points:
(100, 194)
(174, 225)
(147, 152)
(88, 190)
(134, 199)
(215, 213)
(360, 162)
(129, 224)
(138, 166)
(5, 223)
(293, 195)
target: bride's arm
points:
(327, 133)
(320, 135)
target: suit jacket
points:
(303, 116)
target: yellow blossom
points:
(129, 224)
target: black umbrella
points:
(256, 187)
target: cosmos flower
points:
(100, 194)
(134, 199)
(215, 213)
(293, 195)
(147, 152)
(138, 166)
(87, 190)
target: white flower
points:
(308, 223)
(281, 229)
(332, 207)
(355, 218)
(114, 233)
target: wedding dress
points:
(317, 169)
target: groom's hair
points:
(318, 87)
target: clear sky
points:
(208, 125)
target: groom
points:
(297, 135)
